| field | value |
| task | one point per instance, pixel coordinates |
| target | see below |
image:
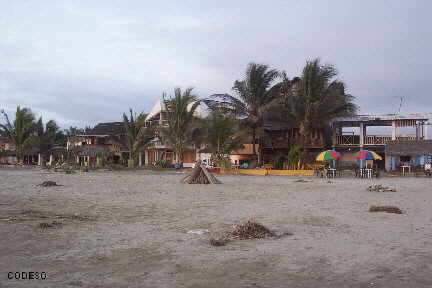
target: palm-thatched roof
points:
(409, 148)
(107, 129)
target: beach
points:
(129, 229)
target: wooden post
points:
(39, 159)
(426, 130)
(51, 159)
(393, 130)
(140, 159)
(146, 157)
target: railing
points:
(347, 140)
(376, 140)
(354, 140)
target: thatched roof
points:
(107, 129)
(409, 148)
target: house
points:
(159, 150)
(7, 152)
(351, 134)
(408, 153)
(282, 136)
(100, 140)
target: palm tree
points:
(18, 131)
(180, 113)
(223, 135)
(315, 98)
(45, 137)
(295, 156)
(135, 137)
(255, 95)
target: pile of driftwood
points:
(388, 209)
(243, 231)
(200, 175)
(48, 184)
(380, 188)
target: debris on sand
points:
(48, 184)
(53, 224)
(380, 188)
(249, 229)
(302, 181)
(388, 209)
(200, 175)
(218, 241)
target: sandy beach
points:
(129, 229)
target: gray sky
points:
(83, 62)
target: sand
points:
(129, 229)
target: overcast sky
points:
(83, 62)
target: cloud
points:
(87, 62)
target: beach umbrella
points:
(367, 155)
(328, 155)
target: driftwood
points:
(48, 184)
(388, 209)
(244, 231)
(380, 188)
(200, 175)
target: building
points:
(98, 140)
(159, 150)
(281, 137)
(351, 134)
(412, 154)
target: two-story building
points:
(371, 132)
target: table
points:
(332, 172)
(368, 172)
(406, 166)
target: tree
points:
(223, 135)
(315, 98)
(135, 137)
(295, 156)
(180, 113)
(18, 131)
(45, 137)
(255, 95)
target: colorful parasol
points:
(367, 155)
(328, 155)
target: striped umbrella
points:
(328, 155)
(367, 155)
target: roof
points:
(409, 148)
(365, 118)
(202, 111)
(107, 129)
(277, 125)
